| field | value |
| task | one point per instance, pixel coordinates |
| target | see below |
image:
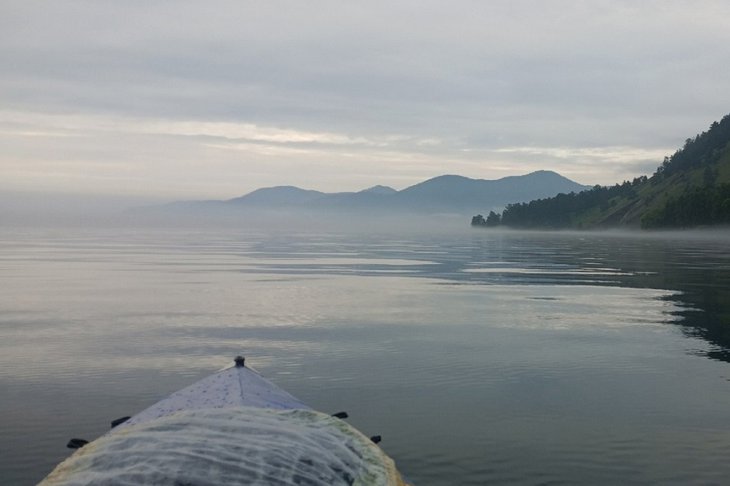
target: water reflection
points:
(695, 271)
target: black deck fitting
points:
(240, 361)
(340, 415)
(76, 443)
(120, 420)
(376, 439)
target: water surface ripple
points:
(481, 357)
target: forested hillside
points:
(690, 188)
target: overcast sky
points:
(189, 100)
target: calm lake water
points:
(480, 357)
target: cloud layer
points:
(191, 99)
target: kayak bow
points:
(233, 427)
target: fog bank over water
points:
(57, 210)
(40, 208)
(75, 211)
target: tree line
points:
(698, 199)
(697, 206)
(702, 151)
(560, 211)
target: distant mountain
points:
(277, 196)
(444, 194)
(382, 190)
(690, 188)
(457, 194)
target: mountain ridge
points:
(449, 193)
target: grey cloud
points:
(476, 75)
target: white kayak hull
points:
(235, 428)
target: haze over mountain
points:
(451, 194)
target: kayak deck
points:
(237, 386)
(233, 427)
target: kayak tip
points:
(240, 361)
